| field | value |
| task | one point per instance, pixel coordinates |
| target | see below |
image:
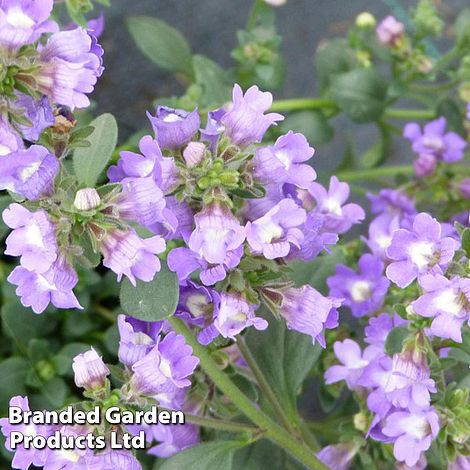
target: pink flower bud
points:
(194, 153)
(90, 370)
(390, 31)
(425, 165)
(87, 199)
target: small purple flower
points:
(447, 302)
(96, 25)
(10, 141)
(194, 153)
(71, 65)
(24, 21)
(173, 438)
(354, 363)
(425, 165)
(113, 459)
(217, 234)
(381, 230)
(364, 292)
(339, 217)
(283, 161)
(279, 229)
(393, 202)
(125, 253)
(137, 339)
(90, 370)
(464, 188)
(419, 251)
(338, 456)
(170, 362)
(379, 327)
(307, 311)
(33, 237)
(24, 458)
(213, 129)
(174, 128)
(433, 140)
(29, 172)
(37, 290)
(412, 432)
(462, 462)
(390, 31)
(38, 112)
(245, 122)
(232, 316)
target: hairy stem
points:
(273, 431)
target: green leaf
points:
(215, 87)
(378, 152)
(13, 373)
(55, 392)
(450, 109)
(151, 301)
(312, 124)
(361, 94)
(261, 454)
(295, 356)
(89, 162)
(204, 456)
(5, 201)
(395, 338)
(466, 241)
(161, 43)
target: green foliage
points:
(395, 338)
(215, 88)
(161, 43)
(313, 124)
(89, 162)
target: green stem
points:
(298, 104)
(264, 385)
(379, 172)
(254, 14)
(274, 432)
(398, 113)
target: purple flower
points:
(125, 253)
(447, 302)
(232, 316)
(194, 154)
(29, 172)
(37, 290)
(24, 458)
(137, 339)
(33, 237)
(38, 112)
(433, 140)
(245, 122)
(173, 438)
(390, 31)
(283, 161)
(412, 433)
(379, 327)
(364, 292)
(90, 370)
(24, 21)
(174, 128)
(392, 202)
(96, 25)
(425, 165)
(464, 188)
(307, 311)
(10, 141)
(462, 462)
(169, 363)
(217, 234)
(418, 251)
(354, 363)
(381, 231)
(338, 456)
(113, 459)
(338, 217)
(275, 232)
(214, 128)
(87, 199)
(71, 65)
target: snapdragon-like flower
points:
(364, 292)
(447, 301)
(125, 253)
(89, 369)
(29, 172)
(307, 311)
(412, 433)
(245, 122)
(419, 251)
(283, 162)
(433, 144)
(339, 217)
(279, 229)
(174, 128)
(390, 31)
(71, 62)
(231, 317)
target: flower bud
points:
(275, 3)
(90, 370)
(390, 31)
(464, 188)
(365, 20)
(193, 154)
(425, 165)
(87, 199)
